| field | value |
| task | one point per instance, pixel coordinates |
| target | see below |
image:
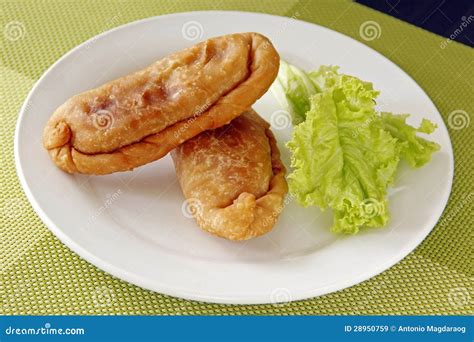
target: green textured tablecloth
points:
(42, 276)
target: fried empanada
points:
(233, 178)
(139, 118)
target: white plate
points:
(131, 224)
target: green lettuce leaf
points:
(414, 149)
(342, 158)
(293, 88)
(344, 154)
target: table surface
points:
(42, 276)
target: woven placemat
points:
(42, 276)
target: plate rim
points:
(142, 282)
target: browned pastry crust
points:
(139, 118)
(233, 178)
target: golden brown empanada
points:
(139, 118)
(232, 178)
